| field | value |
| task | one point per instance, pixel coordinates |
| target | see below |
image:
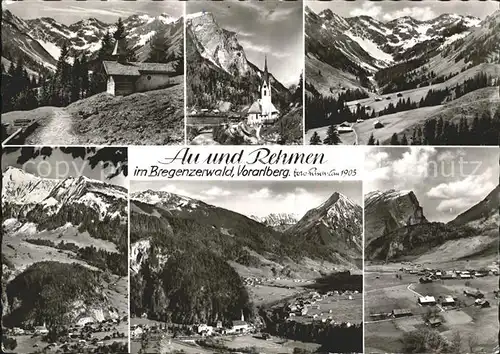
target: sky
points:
(56, 164)
(71, 11)
(263, 27)
(419, 10)
(446, 181)
(257, 197)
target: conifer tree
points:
(332, 136)
(394, 139)
(315, 139)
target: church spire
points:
(266, 73)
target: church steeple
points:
(266, 73)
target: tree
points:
(371, 140)
(456, 343)
(332, 136)
(404, 140)
(315, 139)
(394, 139)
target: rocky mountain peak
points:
(219, 46)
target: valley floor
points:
(384, 292)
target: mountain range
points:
(353, 50)
(39, 41)
(166, 227)
(80, 225)
(396, 228)
(217, 66)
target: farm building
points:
(378, 124)
(124, 78)
(434, 322)
(425, 280)
(127, 78)
(427, 300)
(344, 127)
(475, 294)
(448, 301)
(401, 312)
(378, 316)
(482, 303)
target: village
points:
(85, 336)
(251, 124)
(291, 298)
(413, 297)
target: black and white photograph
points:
(402, 72)
(431, 250)
(245, 65)
(92, 72)
(64, 250)
(246, 266)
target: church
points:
(124, 78)
(263, 111)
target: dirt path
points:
(55, 131)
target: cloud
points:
(460, 195)
(262, 193)
(471, 187)
(418, 13)
(262, 48)
(88, 11)
(413, 165)
(367, 9)
(217, 192)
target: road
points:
(55, 130)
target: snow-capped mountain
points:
(165, 200)
(213, 51)
(350, 51)
(277, 219)
(335, 225)
(25, 193)
(374, 44)
(23, 188)
(390, 210)
(41, 39)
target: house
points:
(475, 294)
(482, 303)
(434, 322)
(41, 330)
(205, 330)
(401, 312)
(84, 320)
(136, 332)
(344, 127)
(425, 280)
(378, 124)
(239, 326)
(263, 110)
(427, 300)
(124, 78)
(465, 275)
(448, 301)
